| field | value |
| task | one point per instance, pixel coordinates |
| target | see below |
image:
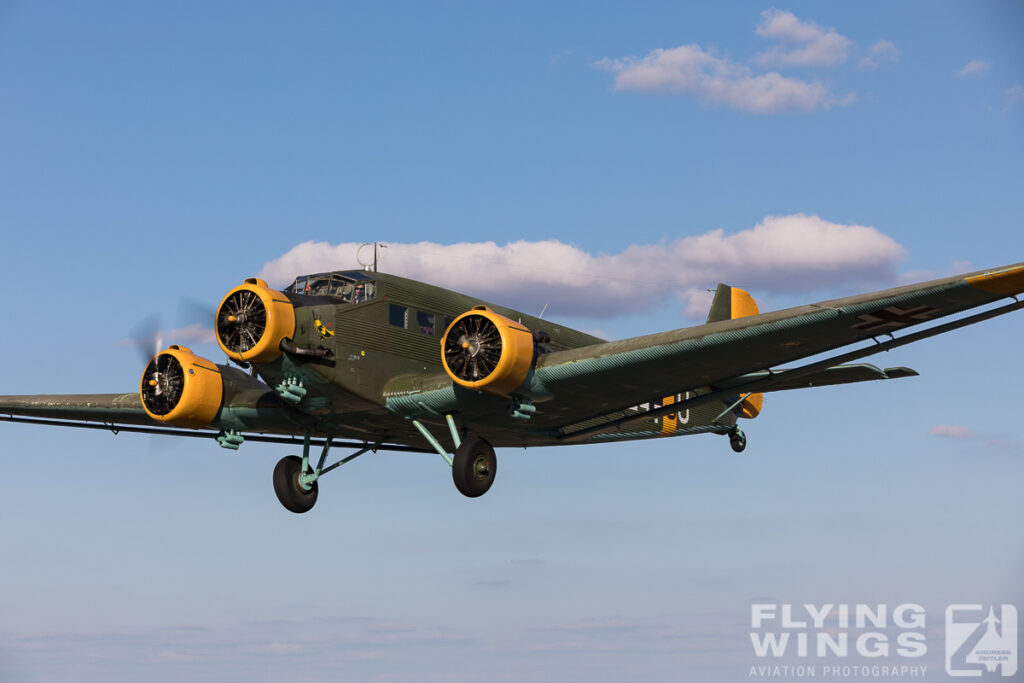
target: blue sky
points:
(152, 154)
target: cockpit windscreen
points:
(352, 287)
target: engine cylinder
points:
(485, 351)
(252, 319)
(182, 389)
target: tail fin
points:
(731, 303)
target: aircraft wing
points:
(118, 413)
(734, 356)
(112, 408)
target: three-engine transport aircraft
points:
(388, 363)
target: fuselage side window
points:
(425, 321)
(398, 316)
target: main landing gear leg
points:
(295, 482)
(474, 463)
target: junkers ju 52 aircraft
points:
(381, 362)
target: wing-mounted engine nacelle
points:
(182, 389)
(484, 351)
(252, 321)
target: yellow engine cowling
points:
(484, 351)
(252, 319)
(182, 389)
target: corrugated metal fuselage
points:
(394, 339)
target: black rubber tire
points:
(286, 486)
(738, 443)
(474, 466)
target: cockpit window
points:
(350, 286)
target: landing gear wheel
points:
(738, 440)
(287, 487)
(473, 467)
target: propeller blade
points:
(147, 338)
(192, 311)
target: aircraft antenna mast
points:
(372, 264)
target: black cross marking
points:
(893, 316)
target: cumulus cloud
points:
(690, 70)
(1014, 94)
(952, 431)
(802, 42)
(713, 79)
(781, 254)
(881, 51)
(975, 67)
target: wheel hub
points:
(481, 468)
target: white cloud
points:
(975, 67)
(701, 73)
(1014, 94)
(952, 431)
(696, 301)
(881, 51)
(690, 70)
(804, 43)
(781, 254)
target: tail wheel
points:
(286, 485)
(738, 440)
(473, 467)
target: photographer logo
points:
(981, 640)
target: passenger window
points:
(425, 322)
(399, 316)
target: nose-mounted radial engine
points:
(180, 388)
(253, 320)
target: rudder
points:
(731, 303)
